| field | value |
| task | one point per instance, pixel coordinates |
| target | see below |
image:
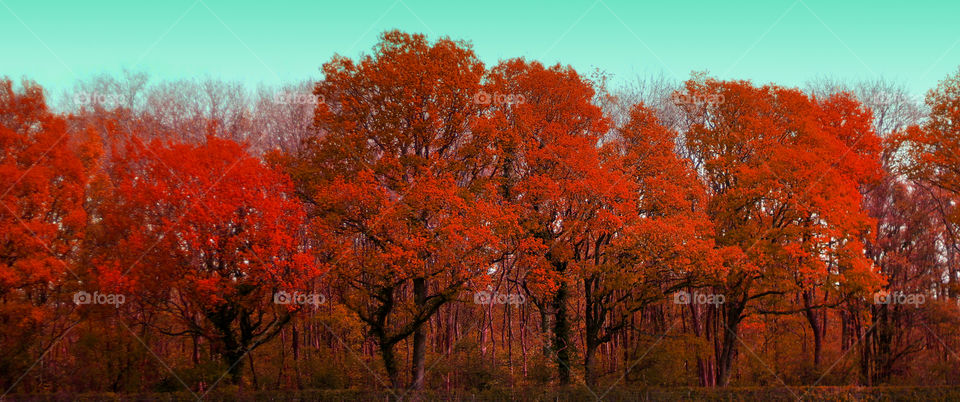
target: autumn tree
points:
(930, 150)
(44, 169)
(920, 223)
(401, 178)
(843, 117)
(913, 251)
(664, 242)
(205, 236)
(880, 330)
(891, 105)
(552, 174)
(782, 174)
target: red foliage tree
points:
(782, 173)
(208, 236)
(43, 173)
(401, 180)
(554, 180)
(665, 242)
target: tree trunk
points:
(589, 362)
(419, 336)
(561, 334)
(594, 319)
(390, 364)
(729, 347)
(815, 326)
(253, 372)
(232, 358)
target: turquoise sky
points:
(785, 41)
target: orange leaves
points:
(551, 165)
(932, 150)
(665, 232)
(402, 175)
(207, 219)
(42, 182)
(783, 172)
(42, 221)
(373, 100)
(431, 175)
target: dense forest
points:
(420, 220)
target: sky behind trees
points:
(785, 41)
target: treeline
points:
(418, 219)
